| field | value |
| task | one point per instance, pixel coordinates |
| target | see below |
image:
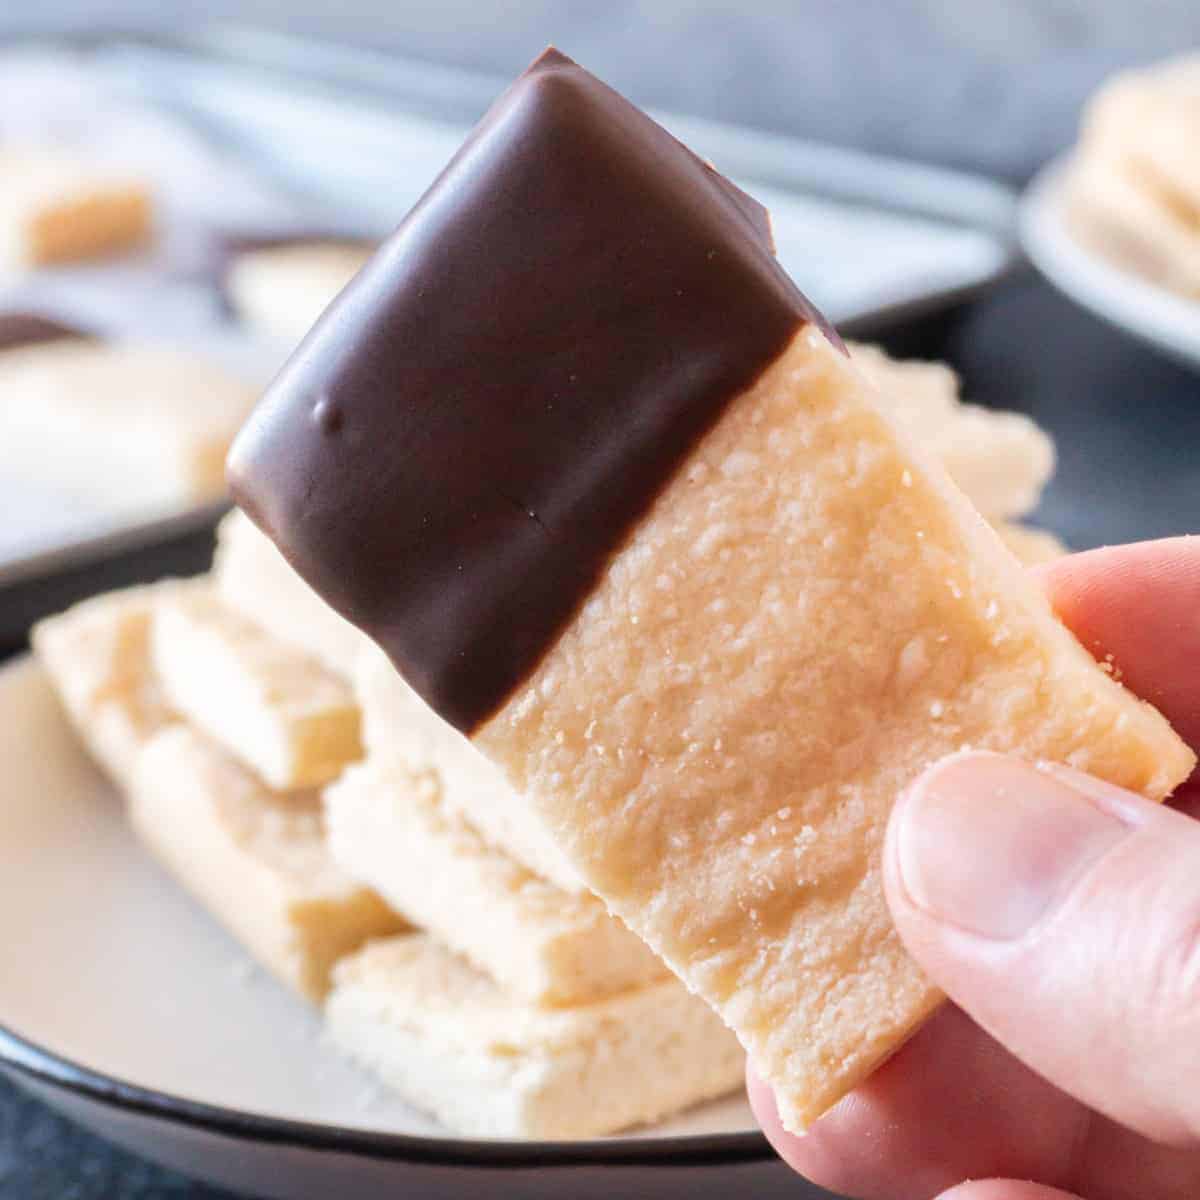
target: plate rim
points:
(24, 1057)
(1143, 308)
(108, 539)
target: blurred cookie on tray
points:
(279, 285)
(121, 424)
(57, 208)
(1133, 187)
(1001, 459)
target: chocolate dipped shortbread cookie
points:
(575, 451)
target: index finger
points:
(1138, 607)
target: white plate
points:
(125, 1006)
(1162, 318)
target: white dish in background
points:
(1161, 318)
(125, 1006)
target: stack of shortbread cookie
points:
(220, 737)
(271, 762)
(1134, 184)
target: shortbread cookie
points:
(142, 426)
(256, 859)
(282, 287)
(1152, 114)
(541, 944)
(633, 522)
(1127, 219)
(97, 654)
(487, 1065)
(722, 773)
(1134, 185)
(397, 729)
(277, 710)
(1001, 460)
(56, 209)
(253, 578)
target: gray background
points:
(993, 86)
(972, 82)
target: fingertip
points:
(1134, 606)
(950, 1104)
(801, 1152)
(985, 844)
(1004, 1189)
(788, 1146)
(945, 799)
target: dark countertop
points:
(1127, 421)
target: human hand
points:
(1064, 924)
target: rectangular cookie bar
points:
(55, 209)
(390, 829)
(255, 858)
(140, 426)
(723, 774)
(397, 729)
(97, 654)
(276, 709)
(640, 529)
(254, 579)
(487, 1065)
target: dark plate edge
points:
(25, 1058)
(116, 539)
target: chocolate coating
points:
(27, 329)
(456, 451)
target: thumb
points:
(999, 1189)
(1064, 915)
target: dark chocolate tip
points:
(19, 329)
(516, 375)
